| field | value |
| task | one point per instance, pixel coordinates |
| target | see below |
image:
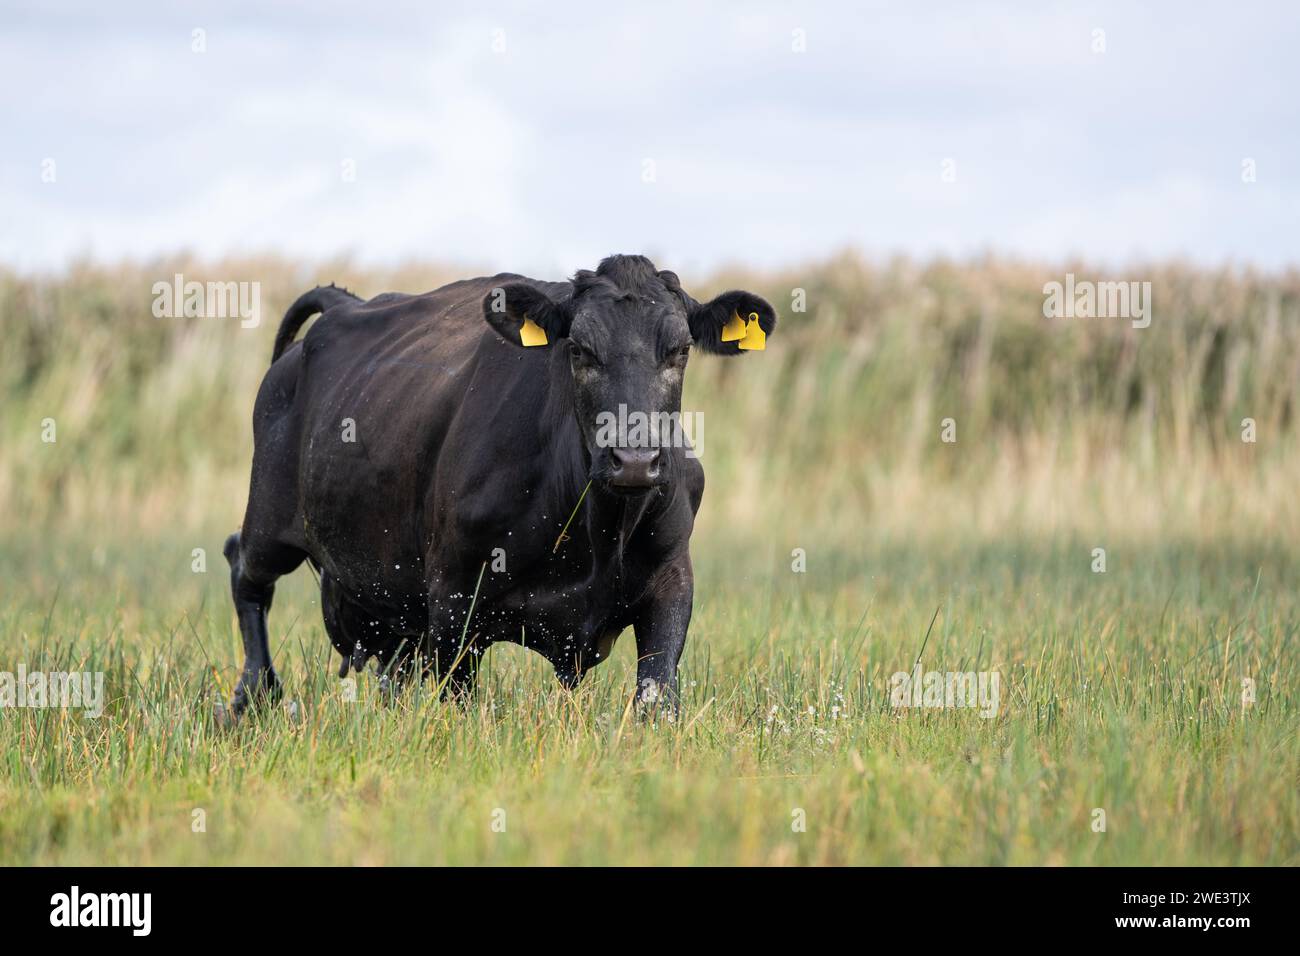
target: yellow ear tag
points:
(530, 333)
(734, 330)
(755, 339)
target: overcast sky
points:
(538, 137)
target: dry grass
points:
(1122, 690)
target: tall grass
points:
(1062, 425)
(1122, 691)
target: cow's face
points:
(628, 331)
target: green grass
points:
(1121, 691)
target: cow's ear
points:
(525, 316)
(732, 323)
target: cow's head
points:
(627, 331)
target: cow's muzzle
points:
(634, 469)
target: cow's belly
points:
(558, 624)
(368, 611)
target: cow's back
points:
(377, 386)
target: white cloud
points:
(531, 159)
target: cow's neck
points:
(610, 522)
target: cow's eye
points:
(581, 356)
(679, 356)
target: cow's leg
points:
(453, 666)
(398, 665)
(569, 672)
(570, 669)
(337, 626)
(660, 627)
(454, 644)
(358, 636)
(253, 573)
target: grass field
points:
(1162, 692)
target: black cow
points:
(403, 441)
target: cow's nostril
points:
(635, 456)
(634, 466)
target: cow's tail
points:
(309, 303)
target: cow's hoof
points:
(252, 692)
(656, 702)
